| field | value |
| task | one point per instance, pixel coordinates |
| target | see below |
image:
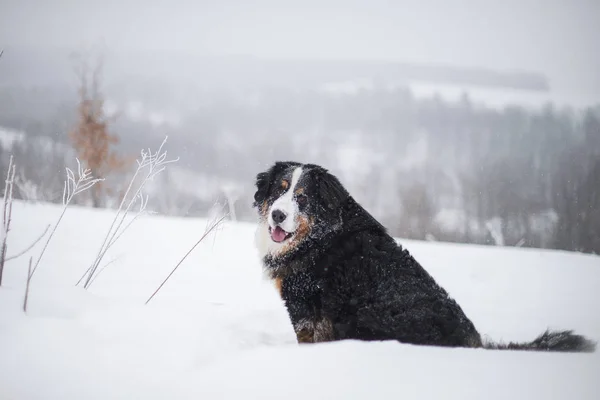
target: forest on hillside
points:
(428, 168)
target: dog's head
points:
(297, 203)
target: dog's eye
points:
(301, 200)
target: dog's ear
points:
(331, 191)
(332, 197)
(265, 179)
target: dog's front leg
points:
(305, 331)
(301, 294)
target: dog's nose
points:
(278, 216)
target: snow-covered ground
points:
(217, 329)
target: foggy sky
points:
(558, 38)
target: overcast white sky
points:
(559, 38)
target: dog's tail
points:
(564, 341)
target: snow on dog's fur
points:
(342, 276)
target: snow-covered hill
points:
(217, 329)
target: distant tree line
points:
(429, 169)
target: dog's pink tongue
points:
(278, 234)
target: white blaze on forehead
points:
(287, 204)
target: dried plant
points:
(31, 246)
(212, 225)
(7, 213)
(153, 163)
(26, 298)
(72, 187)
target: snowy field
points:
(218, 330)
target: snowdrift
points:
(217, 329)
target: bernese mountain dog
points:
(342, 276)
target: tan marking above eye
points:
(299, 191)
(285, 184)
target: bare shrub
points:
(91, 138)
